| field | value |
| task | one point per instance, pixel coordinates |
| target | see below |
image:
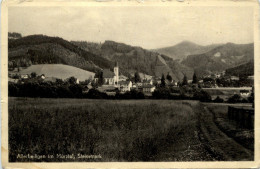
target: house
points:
(217, 75)
(245, 93)
(26, 76)
(235, 78)
(107, 88)
(42, 76)
(134, 86)
(189, 81)
(122, 78)
(139, 84)
(147, 82)
(125, 86)
(148, 88)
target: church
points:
(111, 78)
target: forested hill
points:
(40, 49)
(134, 58)
(246, 69)
(221, 58)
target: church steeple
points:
(116, 71)
(116, 64)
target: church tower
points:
(116, 71)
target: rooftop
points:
(108, 74)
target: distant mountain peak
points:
(186, 42)
(181, 50)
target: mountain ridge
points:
(181, 50)
(90, 56)
(221, 58)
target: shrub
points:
(95, 94)
(218, 100)
(161, 93)
(133, 94)
(234, 99)
(202, 96)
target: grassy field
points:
(116, 130)
(58, 71)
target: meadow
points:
(115, 130)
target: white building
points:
(148, 88)
(125, 86)
(245, 93)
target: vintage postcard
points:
(130, 84)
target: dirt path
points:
(218, 144)
(204, 141)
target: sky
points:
(150, 27)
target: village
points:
(112, 81)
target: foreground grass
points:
(125, 130)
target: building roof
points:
(122, 77)
(244, 91)
(124, 82)
(148, 86)
(147, 81)
(105, 88)
(108, 74)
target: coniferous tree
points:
(163, 81)
(137, 77)
(169, 77)
(195, 79)
(184, 81)
(101, 79)
(33, 75)
(72, 80)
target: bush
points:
(202, 96)
(161, 93)
(95, 94)
(218, 100)
(133, 94)
(234, 99)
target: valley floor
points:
(125, 130)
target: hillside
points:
(40, 49)
(132, 59)
(221, 58)
(59, 71)
(246, 69)
(183, 49)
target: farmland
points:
(120, 130)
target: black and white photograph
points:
(131, 83)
